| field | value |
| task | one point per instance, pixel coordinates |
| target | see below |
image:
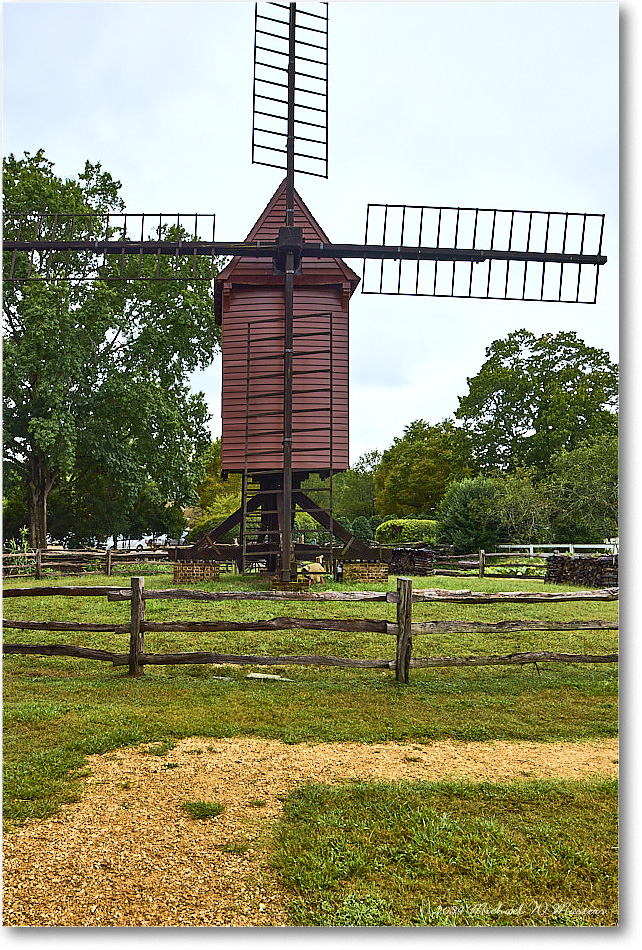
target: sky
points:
(493, 105)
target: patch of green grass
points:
(237, 846)
(203, 809)
(258, 802)
(540, 853)
(160, 748)
(58, 710)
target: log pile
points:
(583, 570)
(419, 562)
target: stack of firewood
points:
(583, 570)
(414, 561)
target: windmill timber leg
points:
(268, 538)
(208, 540)
(357, 548)
(243, 538)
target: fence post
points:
(482, 561)
(108, 562)
(404, 631)
(136, 635)
(38, 564)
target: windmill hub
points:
(290, 241)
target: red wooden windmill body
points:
(250, 309)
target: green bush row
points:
(407, 530)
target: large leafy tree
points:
(355, 488)
(95, 371)
(523, 507)
(583, 491)
(535, 396)
(415, 471)
(213, 486)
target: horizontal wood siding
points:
(251, 297)
(316, 384)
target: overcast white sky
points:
(500, 105)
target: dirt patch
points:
(128, 854)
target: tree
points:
(523, 507)
(535, 396)
(221, 508)
(583, 491)
(415, 471)
(468, 516)
(213, 485)
(90, 506)
(94, 369)
(355, 488)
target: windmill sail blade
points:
(108, 246)
(483, 253)
(270, 96)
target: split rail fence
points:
(35, 563)
(38, 563)
(403, 630)
(453, 566)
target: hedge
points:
(407, 530)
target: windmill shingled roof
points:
(266, 227)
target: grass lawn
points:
(361, 854)
(369, 854)
(59, 709)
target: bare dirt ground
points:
(128, 854)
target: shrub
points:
(375, 521)
(407, 530)
(469, 515)
(361, 529)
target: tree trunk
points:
(37, 517)
(39, 483)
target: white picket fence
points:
(539, 550)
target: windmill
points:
(408, 249)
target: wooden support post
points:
(108, 562)
(482, 561)
(404, 632)
(136, 635)
(38, 564)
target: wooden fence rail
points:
(34, 563)
(438, 595)
(403, 630)
(452, 566)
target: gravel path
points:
(127, 854)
